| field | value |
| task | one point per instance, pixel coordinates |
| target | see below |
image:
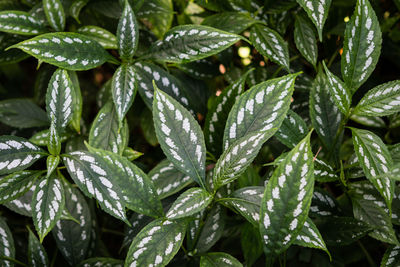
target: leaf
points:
(124, 87)
(323, 204)
(108, 262)
(292, 130)
(42, 138)
(76, 7)
(48, 202)
(287, 199)
(22, 113)
(391, 257)
(7, 247)
(250, 240)
(366, 208)
(19, 22)
(105, 132)
(131, 154)
(219, 259)
(200, 69)
(138, 221)
(383, 100)
(218, 114)
(71, 51)
(187, 43)
(189, 202)
(73, 238)
(52, 163)
(10, 56)
(105, 38)
(185, 149)
(127, 33)
(339, 91)
(59, 99)
(309, 236)
(159, 14)
(22, 205)
(212, 229)
(270, 44)
(55, 14)
(238, 157)
(77, 102)
(17, 154)
(374, 122)
(234, 22)
(362, 45)
(167, 179)
(324, 114)
(261, 108)
(17, 184)
(156, 244)
(375, 159)
(317, 11)
(36, 252)
(304, 38)
(54, 143)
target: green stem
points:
(333, 57)
(4, 258)
(53, 259)
(367, 255)
(339, 133)
(105, 230)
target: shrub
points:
(265, 133)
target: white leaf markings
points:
(7, 248)
(16, 184)
(189, 202)
(219, 259)
(105, 38)
(127, 33)
(19, 22)
(310, 236)
(292, 130)
(55, 14)
(305, 41)
(391, 257)
(36, 253)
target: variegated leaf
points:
(339, 91)
(180, 136)
(54, 142)
(375, 159)
(292, 130)
(238, 157)
(22, 113)
(362, 45)
(212, 229)
(138, 222)
(270, 44)
(17, 153)
(17, 184)
(55, 14)
(71, 51)
(310, 236)
(100, 261)
(261, 108)
(374, 122)
(219, 259)
(7, 247)
(37, 255)
(124, 88)
(52, 163)
(156, 244)
(105, 38)
(200, 69)
(304, 38)
(42, 138)
(76, 7)
(391, 258)
(22, 205)
(317, 10)
(76, 102)
(287, 199)
(105, 132)
(127, 33)
(189, 202)
(20, 22)
(323, 172)
(47, 205)
(383, 100)
(187, 43)
(234, 22)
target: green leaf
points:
(292, 130)
(105, 132)
(22, 205)
(270, 44)
(366, 208)
(304, 38)
(92, 174)
(250, 240)
(105, 38)
(287, 199)
(124, 87)
(77, 102)
(59, 99)
(37, 254)
(374, 122)
(138, 221)
(375, 159)
(339, 91)
(42, 138)
(234, 22)
(73, 239)
(127, 33)
(261, 108)
(323, 172)
(219, 259)
(137, 188)
(218, 114)
(187, 43)
(52, 163)
(167, 179)
(7, 247)
(22, 113)
(17, 184)
(309, 236)
(107, 262)
(189, 202)
(383, 100)
(156, 244)
(180, 136)
(17, 154)
(54, 143)
(238, 157)
(131, 154)
(391, 257)
(159, 15)
(47, 205)
(212, 229)
(76, 7)
(317, 11)
(55, 14)
(200, 69)
(362, 45)
(10, 56)
(71, 51)
(20, 22)
(324, 114)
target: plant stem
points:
(367, 255)
(4, 258)
(338, 133)
(105, 230)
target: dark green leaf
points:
(234, 22)
(36, 253)
(19, 22)
(76, 7)
(391, 257)
(55, 14)
(104, 262)
(219, 259)
(17, 184)
(7, 247)
(159, 14)
(309, 236)
(22, 205)
(105, 38)
(127, 33)
(22, 113)
(212, 229)
(292, 130)
(304, 38)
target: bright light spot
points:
(346, 19)
(218, 92)
(341, 51)
(386, 14)
(222, 69)
(244, 51)
(246, 61)
(262, 63)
